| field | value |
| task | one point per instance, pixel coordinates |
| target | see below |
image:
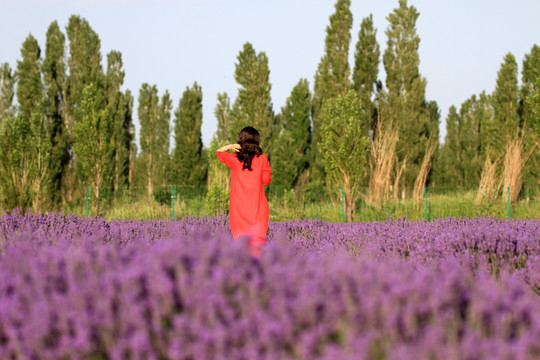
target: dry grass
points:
(514, 162)
(382, 160)
(490, 183)
(420, 182)
(395, 187)
(493, 180)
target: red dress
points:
(248, 206)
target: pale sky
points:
(172, 44)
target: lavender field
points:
(74, 288)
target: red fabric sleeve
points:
(226, 157)
(266, 171)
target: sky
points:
(173, 44)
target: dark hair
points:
(249, 146)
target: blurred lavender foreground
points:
(73, 288)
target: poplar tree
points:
(29, 85)
(447, 173)
(366, 67)
(223, 116)
(16, 162)
(7, 91)
(118, 108)
(344, 146)
(529, 74)
(132, 146)
(93, 142)
(148, 138)
(154, 117)
(35, 140)
(290, 157)
(217, 197)
(531, 116)
(54, 80)
(406, 92)
(163, 130)
(332, 76)
(434, 119)
(463, 152)
(253, 104)
(190, 163)
(84, 63)
(506, 125)
(534, 104)
(506, 134)
(475, 113)
(8, 139)
(85, 68)
(432, 134)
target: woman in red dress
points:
(248, 206)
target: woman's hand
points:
(233, 147)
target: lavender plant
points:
(73, 288)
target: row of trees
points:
(355, 132)
(72, 122)
(73, 125)
(492, 140)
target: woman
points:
(248, 206)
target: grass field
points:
(290, 205)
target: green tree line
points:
(66, 123)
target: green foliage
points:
(332, 76)
(475, 113)
(253, 104)
(31, 128)
(217, 197)
(189, 163)
(38, 136)
(24, 161)
(29, 86)
(344, 146)
(366, 66)
(323, 203)
(7, 91)
(154, 118)
(55, 83)
(162, 195)
(406, 90)
(434, 119)
(506, 124)
(119, 107)
(463, 153)
(290, 157)
(446, 169)
(163, 132)
(84, 63)
(66, 101)
(16, 162)
(530, 75)
(223, 116)
(534, 103)
(530, 113)
(93, 141)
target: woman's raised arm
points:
(233, 147)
